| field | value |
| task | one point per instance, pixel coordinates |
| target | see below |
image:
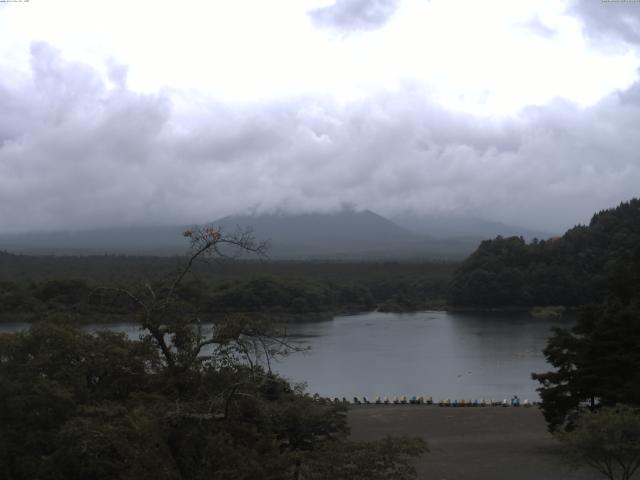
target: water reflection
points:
(428, 353)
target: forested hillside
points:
(571, 270)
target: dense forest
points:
(596, 360)
(33, 287)
(571, 270)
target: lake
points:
(442, 354)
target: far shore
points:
(83, 318)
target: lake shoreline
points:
(427, 353)
(82, 318)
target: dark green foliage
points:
(575, 269)
(270, 294)
(607, 440)
(76, 406)
(48, 374)
(596, 362)
(15, 298)
(63, 291)
(271, 288)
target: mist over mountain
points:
(443, 226)
(346, 234)
(143, 240)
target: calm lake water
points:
(433, 353)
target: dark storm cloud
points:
(350, 15)
(605, 20)
(80, 151)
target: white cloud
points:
(79, 151)
(471, 56)
(114, 113)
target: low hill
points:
(580, 267)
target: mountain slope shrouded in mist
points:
(347, 234)
(119, 240)
(456, 226)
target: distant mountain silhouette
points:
(347, 234)
(464, 227)
(318, 234)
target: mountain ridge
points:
(346, 234)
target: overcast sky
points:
(119, 112)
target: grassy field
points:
(490, 443)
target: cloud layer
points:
(81, 150)
(353, 15)
(609, 20)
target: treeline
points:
(318, 289)
(575, 269)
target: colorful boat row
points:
(403, 400)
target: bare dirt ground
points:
(490, 443)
